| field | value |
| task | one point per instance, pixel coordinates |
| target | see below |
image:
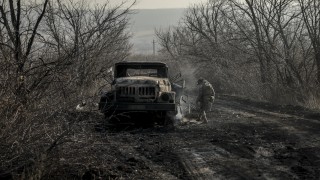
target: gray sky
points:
(157, 4)
(144, 22)
(154, 4)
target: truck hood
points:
(141, 80)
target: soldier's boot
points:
(203, 117)
(205, 120)
(200, 117)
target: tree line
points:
(53, 54)
(58, 43)
(266, 48)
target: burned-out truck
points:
(140, 87)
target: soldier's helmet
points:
(200, 81)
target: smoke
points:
(187, 105)
(189, 75)
(178, 117)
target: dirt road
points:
(243, 140)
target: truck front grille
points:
(127, 91)
(136, 93)
(147, 91)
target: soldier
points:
(205, 98)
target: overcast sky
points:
(154, 4)
(158, 4)
(144, 22)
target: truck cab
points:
(139, 86)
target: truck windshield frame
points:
(121, 70)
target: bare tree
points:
(20, 39)
(267, 37)
(49, 52)
(96, 37)
(277, 30)
(311, 16)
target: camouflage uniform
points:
(205, 98)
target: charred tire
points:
(159, 117)
(166, 118)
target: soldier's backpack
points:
(208, 91)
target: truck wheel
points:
(169, 119)
(160, 117)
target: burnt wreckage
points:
(140, 87)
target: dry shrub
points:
(45, 73)
(313, 102)
(279, 94)
(31, 133)
(29, 138)
(312, 98)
